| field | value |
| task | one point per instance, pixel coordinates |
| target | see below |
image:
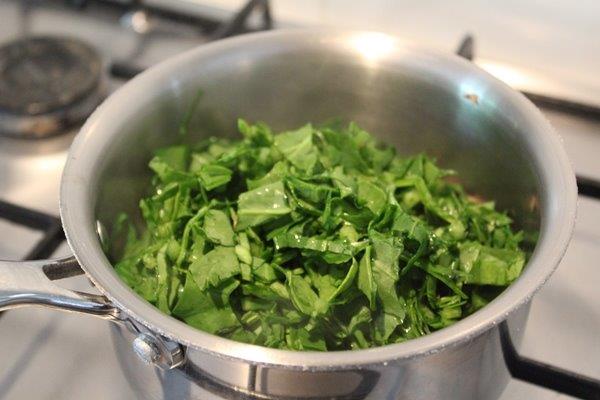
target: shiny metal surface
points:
(145, 348)
(29, 283)
(418, 101)
(472, 370)
(154, 350)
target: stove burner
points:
(46, 85)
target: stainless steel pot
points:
(498, 141)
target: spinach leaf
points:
(489, 266)
(304, 298)
(298, 148)
(214, 267)
(209, 310)
(386, 252)
(218, 228)
(314, 239)
(333, 251)
(213, 176)
(262, 204)
(366, 283)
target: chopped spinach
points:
(313, 239)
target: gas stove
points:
(52, 355)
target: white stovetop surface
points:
(51, 355)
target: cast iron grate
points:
(209, 29)
(49, 225)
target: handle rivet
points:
(146, 348)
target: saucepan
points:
(417, 100)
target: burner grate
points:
(49, 225)
(212, 30)
(546, 375)
(588, 187)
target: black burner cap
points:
(39, 75)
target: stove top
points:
(47, 84)
(52, 355)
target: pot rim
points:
(77, 213)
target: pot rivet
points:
(102, 235)
(146, 349)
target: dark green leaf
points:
(207, 310)
(366, 282)
(304, 298)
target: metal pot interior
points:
(414, 100)
(409, 102)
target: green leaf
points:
(170, 163)
(215, 266)
(259, 134)
(218, 228)
(346, 283)
(207, 310)
(343, 150)
(264, 272)
(319, 238)
(345, 184)
(371, 196)
(163, 277)
(262, 204)
(314, 193)
(414, 228)
(141, 279)
(386, 252)
(213, 176)
(298, 148)
(303, 297)
(265, 292)
(300, 339)
(276, 174)
(366, 282)
(488, 266)
(385, 324)
(333, 251)
(174, 157)
(446, 276)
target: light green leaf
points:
(262, 204)
(218, 228)
(215, 266)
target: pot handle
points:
(26, 283)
